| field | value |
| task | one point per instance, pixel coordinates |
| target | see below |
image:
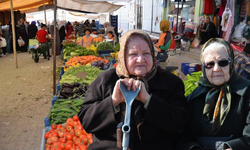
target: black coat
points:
(164, 117)
(209, 33)
(237, 122)
(32, 29)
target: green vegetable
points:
(104, 46)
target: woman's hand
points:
(117, 95)
(131, 83)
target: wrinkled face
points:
(138, 58)
(217, 66)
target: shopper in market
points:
(208, 31)
(159, 111)
(69, 29)
(242, 62)
(87, 40)
(22, 35)
(219, 108)
(62, 33)
(42, 35)
(93, 25)
(108, 28)
(32, 30)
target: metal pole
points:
(177, 29)
(54, 49)
(13, 32)
(44, 13)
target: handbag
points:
(3, 42)
(21, 42)
(213, 143)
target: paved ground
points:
(26, 93)
(25, 99)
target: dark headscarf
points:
(33, 23)
(219, 97)
(121, 68)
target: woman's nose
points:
(216, 67)
(140, 59)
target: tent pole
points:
(54, 49)
(13, 32)
(44, 13)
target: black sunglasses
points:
(221, 63)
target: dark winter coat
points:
(32, 29)
(158, 125)
(237, 123)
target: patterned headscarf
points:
(121, 68)
(219, 97)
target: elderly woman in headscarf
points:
(109, 28)
(219, 106)
(32, 30)
(62, 31)
(158, 112)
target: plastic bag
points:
(196, 42)
(3, 42)
(21, 42)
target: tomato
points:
(48, 148)
(49, 141)
(69, 121)
(46, 135)
(77, 141)
(90, 141)
(78, 127)
(75, 118)
(73, 148)
(69, 127)
(56, 145)
(75, 123)
(82, 147)
(62, 145)
(47, 145)
(69, 136)
(77, 148)
(69, 145)
(59, 126)
(61, 134)
(53, 126)
(54, 139)
(72, 131)
(78, 133)
(55, 134)
(74, 138)
(63, 140)
(84, 132)
(89, 136)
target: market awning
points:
(73, 5)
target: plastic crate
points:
(188, 68)
(105, 53)
(43, 140)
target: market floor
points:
(25, 100)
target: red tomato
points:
(56, 145)
(54, 139)
(69, 127)
(49, 141)
(62, 145)
(53, 126)
(75, 123)
(61, 134)
(46, 136)
(59, 126)
(72, 131)
(82, 147)
(69, 121)
(55, 134)
(89, 136)
(63, 140)
(77, 141)
(78, 127)
(75, 118)
(69, 145)
(78, 133)
(69, 136)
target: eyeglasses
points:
(221, 63)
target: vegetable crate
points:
(43, 140)
(188, 68)
(105, 53)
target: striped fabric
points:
(243, 9)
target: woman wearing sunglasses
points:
(219, 107)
